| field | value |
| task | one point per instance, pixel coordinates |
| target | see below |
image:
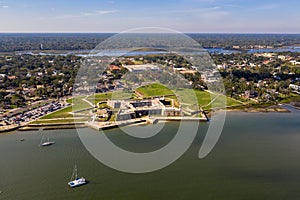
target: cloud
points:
(210, 1)
(3, 4)
(99, 12)
(232, 6)
(87, 14)
(212, 13)
(268, 7)
(194, 10)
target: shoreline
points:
(259, 110)
(109, 125)
(279, 108)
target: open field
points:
(155, 89)
(78, 103)
(289, 98)
(58, 121)
(204, 98)
(63, 113)
(188, 96)
(119, 95)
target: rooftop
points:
(145, 67)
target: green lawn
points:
(138, 62)
(78, 103)
(63, 113)
(155, 89)
(58, 121)
(289, 98)
(188, 96)
(119, 95)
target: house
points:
(39, 73)
(114, 68)
(179, 68)
(250, 94)
(188, 72)
(294, 62)
(11, 77)
(294, 87)
(281, 57)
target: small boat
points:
(22, 139)
(75, 181)
(48, 142)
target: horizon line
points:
(241, 33)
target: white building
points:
(141, 68)
(294, 87)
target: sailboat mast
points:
(75, 171)
(42, 139)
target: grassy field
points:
(58, 121)
(78, 103)
(63, 113)
(289, 98)
(119, 95)
(154, 90)
(188, 96)
(204, 98)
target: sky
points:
(189, 16)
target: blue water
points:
(85, 53)
(276, 50)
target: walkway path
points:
(61, 118)
(90, 103)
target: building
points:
(250, 94)
(114, 103)
(131, 109)
(294, 62)
(114, 68)
(141, 68)
(188, 72)
(294, 87)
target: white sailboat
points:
(75, 181)
(47, 142)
